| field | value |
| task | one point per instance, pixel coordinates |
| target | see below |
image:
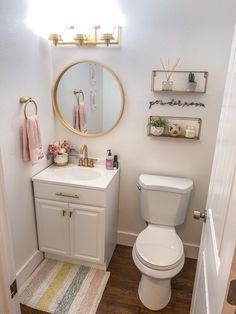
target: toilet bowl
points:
(159, 256)
(158, 251)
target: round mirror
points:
(88, 98)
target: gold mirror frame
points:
(57, 110)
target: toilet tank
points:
(164, 200)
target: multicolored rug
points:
(60, 288)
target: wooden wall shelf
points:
(180, 82)
(183, 122)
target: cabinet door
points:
(87, 232)
(53, 226)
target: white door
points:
(87, 232)
(8, 304)
(219, 230)
(53, 226)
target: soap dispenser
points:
(109, 160)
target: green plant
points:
(160, 122)
(191, 77)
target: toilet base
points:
(154, 293)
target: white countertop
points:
(91, 178)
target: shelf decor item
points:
(190, 131)
(157, 126)
(192, 84)
(175, 129)
(183, 81)
(188, 128)
(58, 152)
(168, 84)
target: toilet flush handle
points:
(138, 186)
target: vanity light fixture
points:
(107, 38)
(79, 39)
(93, 38)
(55, 38)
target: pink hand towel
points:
(83, 118)
(80, 121)
(76, 118)
(32, 145)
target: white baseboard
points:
(128, 239)
(26, 270)
(191, 250)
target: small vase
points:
(157, 130)
(192, 86)
(61, 160)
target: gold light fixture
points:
(107, 37)
(79, 39)
(55, 38)
(92, 38)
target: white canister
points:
(190, 131)
(61, 159)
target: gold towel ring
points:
(79, 91)
(26, 101)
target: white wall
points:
(25, 71)
(200, 32)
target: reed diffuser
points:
(168, 84)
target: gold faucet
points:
(85, 161)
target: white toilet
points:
(158, 251)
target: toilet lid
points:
(159, 247)
(163, 183)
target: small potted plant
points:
(157, 126)
(59, 152)
(192, 84)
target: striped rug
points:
(59, 288)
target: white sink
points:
(77, 173)
(95, 178)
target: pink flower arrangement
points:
(58, 148)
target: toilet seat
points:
(159, 247)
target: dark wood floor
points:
(121, 293)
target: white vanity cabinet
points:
(77, 224)
(70, 230)
(53, 227)
(87, 231)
